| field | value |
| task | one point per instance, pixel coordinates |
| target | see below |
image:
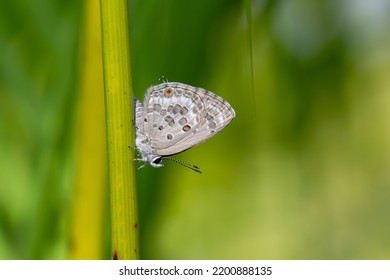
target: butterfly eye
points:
(157, 160)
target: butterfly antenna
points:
(190, 166)
(163, 79)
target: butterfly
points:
(175, 117)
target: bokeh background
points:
(303, 172)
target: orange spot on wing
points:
(168, 91)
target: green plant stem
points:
(120, 135)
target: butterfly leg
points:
(142, 166)
(135, 125)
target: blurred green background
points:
(301, 173)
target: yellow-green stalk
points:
(120, 132)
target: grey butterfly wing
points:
(217, 115)
(195, 116)
(171, 113)
(138, 112)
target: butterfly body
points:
(175, 117)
